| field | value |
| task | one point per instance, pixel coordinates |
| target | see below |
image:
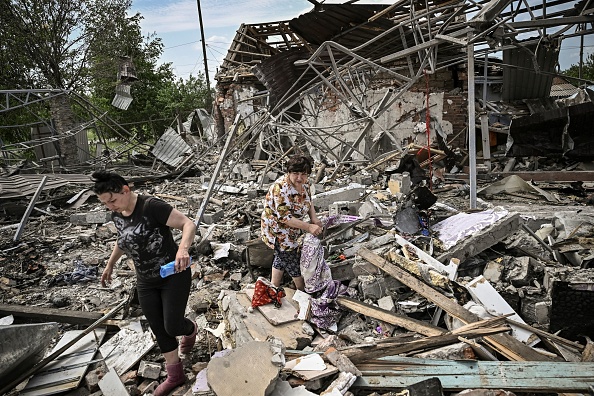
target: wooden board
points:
(285, 314)
(455, 375)
(126, 348)
(67, 370)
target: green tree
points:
(587, 70)
(78, 46)
(50, 42)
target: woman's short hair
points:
(107, 182)
(299, 163)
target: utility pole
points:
(208, 98)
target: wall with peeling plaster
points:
(404, 120)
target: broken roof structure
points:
(350, 82)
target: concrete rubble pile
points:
(441, 292)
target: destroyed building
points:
(468, 246)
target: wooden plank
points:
(505, 344)
(126, 348)
(285, 314)
(47, 314)
(25, 218)
(456, 375)
(389, 346)
(418, 326)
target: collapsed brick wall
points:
(455, 106)
(455, 110)
(225, 112)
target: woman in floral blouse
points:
(286, 206)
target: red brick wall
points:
(455, 110)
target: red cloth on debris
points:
(266, 293)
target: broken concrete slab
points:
(472, 233)
(247, 370)
(248, 326)
(100, 217)
(352, 192)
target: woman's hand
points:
(315, 229)
(182, 260)
(106, 275)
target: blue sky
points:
(176, 22)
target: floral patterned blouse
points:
(282, 203)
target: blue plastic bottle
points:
(169, 268)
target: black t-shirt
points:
(145, 237)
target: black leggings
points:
(163, 302)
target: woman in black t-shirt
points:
(144, 234)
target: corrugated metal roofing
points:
(522, 81)
(26, 184)
(171, 148)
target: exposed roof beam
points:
(552, 22)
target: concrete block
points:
(493, 271)
(78, 218)
(242, 234)
(270, 177)
(213, 217)
(194, 201)
(244, 170)
(542, 312)
(375, 175)
(148, 386)
(352, 192)
(387, 303)
(246, 371)
(371, 287)
(519, 272)
(129, 377)
(399, 183)
(92, 380)
(149, 370)
(364, 268)
(98, 217)
(344, 207)
(91, 218)
(365, 180)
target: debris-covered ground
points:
(422, 267)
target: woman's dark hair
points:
(107, 182)
(299, 163)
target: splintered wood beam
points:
(387, 347)
(417, 326)
(504, 343)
